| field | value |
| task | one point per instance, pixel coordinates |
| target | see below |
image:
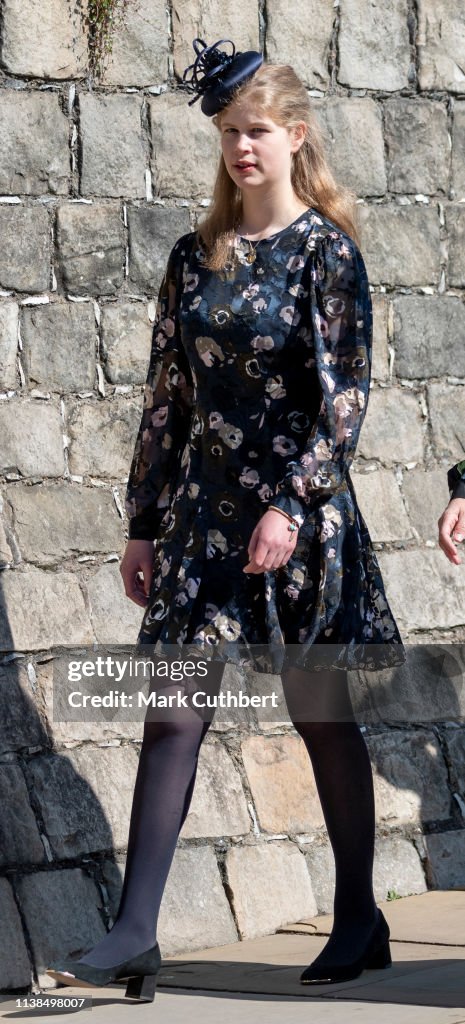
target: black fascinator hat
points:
(221, 73)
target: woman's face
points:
(256, 150)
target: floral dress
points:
(256, 392)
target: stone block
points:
(8, 344)
(455, 743)
(140, 46)
(73, 733)
(282, 783)
(21, 726)
(300, 35)
(427, 495)
(85, 797)
(380, 353)
(15, 969)
(418, 145)
(20, 841)
(426, 689)
(45, 40)
(397, 866)
(458, 147)
(153, 231)
(429, 336)
(381, 505)
(446, 403)
(59, 346)
(39, 609)
(90, 248)
(410, 778)
(115, 618)
(34, 154)
(55, 522)
(37, 452)
(374, 50)
(113, 145)
(126, 342)
(393, 429)
(218, 806)
(202, 18)
(25, 249)
(6, 554)
(401, 244)
(441, 45)
(186, 148)
(446, 858)
(354, 141)
(253, 872)
(61, 911)
(102, 436)
(423, 588)
(194, 911)
(455, 223)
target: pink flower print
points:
(231, 435)
(295, 263)
(192, 281)
(262, 343)
(330, 384)
(290, 315)
(265, 492)
(207, 349)
(215, 419)
(160, 416)
(274, 387)
(296, 290)
(229, 628)
(216, 542)
(259, 305)
(334, 305)
(249, 477)
(251, 291)
(195, 303)
(165, 330)
(284, 445)
(344, 251)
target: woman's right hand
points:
(138, 560)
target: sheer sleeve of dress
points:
(456, 480)
(167, 407)
(342, 327)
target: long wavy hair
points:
(277, 91)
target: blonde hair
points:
(276, 90)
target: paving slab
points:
(201, 1007)
(436, 917)
(249, 982)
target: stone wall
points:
(97, 181)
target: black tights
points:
(320, 708)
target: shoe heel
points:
(381, 958)
(142, 987)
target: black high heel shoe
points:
(140, 972)
(376, 954)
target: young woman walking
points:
(256, 392)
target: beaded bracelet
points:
(294, 525)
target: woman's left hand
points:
(271, 543)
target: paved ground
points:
(256, 981)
